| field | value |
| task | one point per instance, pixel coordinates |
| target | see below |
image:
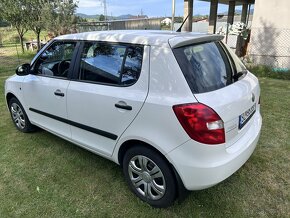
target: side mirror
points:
(44, 56)
(23, 70)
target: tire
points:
(19, 116)
(144, 167)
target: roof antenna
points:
(179, 29)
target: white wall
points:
(270, 38)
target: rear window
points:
(206, 66)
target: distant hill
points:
(124, 17)
(86, 16)
(96, 17)
(121, 17)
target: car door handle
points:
(123, 105)
(59, 93)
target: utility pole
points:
(105, 9)
(173, 15)
(105, 13)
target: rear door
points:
(109, 89)
(219, 80)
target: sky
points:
(151, 8)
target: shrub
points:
(266, 71)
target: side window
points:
(102, 62)
(55, 60)
(133, 64)
(110, 63)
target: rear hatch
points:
(219, 80)
(235, 104)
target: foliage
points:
(36, 19)
(81, 19)
(178, 19)
(60, 18)
(163, 26)
(56, 16)
(265, 71)
(101, 17)
(17, 14)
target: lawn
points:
(42, 175)
(9, 35)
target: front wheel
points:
(149, 176)
(19, 116)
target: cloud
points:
(89, 3)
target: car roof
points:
(143, 37)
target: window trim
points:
(75, 75)
(226, 58)
(232, 62)
(71, 67)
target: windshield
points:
(206, 66)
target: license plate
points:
(246, 116)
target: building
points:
(270, 34)
(167, 21)
(270, 28)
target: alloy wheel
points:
(18, 115)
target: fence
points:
(146, 23)
(271, 47)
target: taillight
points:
(201, 123)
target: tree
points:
(16, 13)
(101, 17)
(36, 18)
(60, 16)
(81, 19)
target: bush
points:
(265, 71)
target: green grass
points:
(42, 175)
(265, 71)
(10, 50)
(11, 56)
(9, 35)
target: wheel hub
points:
(146, 177)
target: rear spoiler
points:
(180, 41)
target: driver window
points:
(55, 60)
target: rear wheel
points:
(149, 176)
(19, 116)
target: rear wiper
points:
(239, 74)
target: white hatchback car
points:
(175, 110)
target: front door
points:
(45, 91)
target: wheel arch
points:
(134, 142)
(9, 96)
(181, 191)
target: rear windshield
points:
(206, 66)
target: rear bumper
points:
(201, 166)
